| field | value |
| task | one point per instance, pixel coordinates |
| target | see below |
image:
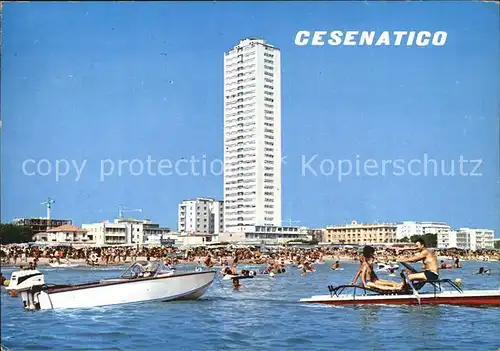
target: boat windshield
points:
(141, 269)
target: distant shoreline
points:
(44, 261)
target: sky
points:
(104, 82)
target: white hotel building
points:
(409, 228)
(252, 136)
(201, 215)
(124, 231)
(467, 239)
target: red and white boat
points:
(440, 292)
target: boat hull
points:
(185, 286)
(470, 298)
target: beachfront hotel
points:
(361, 233)
(124, 231)
(268, 235)
(252, 136)
(467, 239)
(201, 215)
(407, 229)
(66, 233)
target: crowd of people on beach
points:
(220, 255)
(227, 258)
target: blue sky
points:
(94, 81)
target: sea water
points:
(263, 315)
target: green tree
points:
(497, 244)
(15, 234)
(430, 239)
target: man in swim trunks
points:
(428, 257)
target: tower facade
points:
(252, 135)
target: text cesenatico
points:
(370, 38)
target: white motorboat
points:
(143, 281)
(62, 265)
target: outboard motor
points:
(29, 283)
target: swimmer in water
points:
(483, 270)
(443, 265)
(208, 262)
(236, 284)
(304, 270)
(336, 265)
(226, 270)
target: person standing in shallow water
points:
(234, 266)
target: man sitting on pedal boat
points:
(431, 270)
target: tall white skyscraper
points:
(252, 135)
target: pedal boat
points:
(443, 291)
